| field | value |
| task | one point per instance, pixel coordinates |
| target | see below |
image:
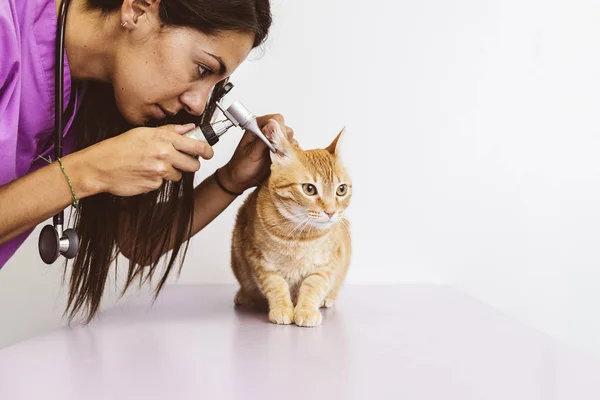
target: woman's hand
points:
(250, 163)
(139, 160)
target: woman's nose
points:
(194, 101)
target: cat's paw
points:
(308, 317)
(240, 299)
(281, 316)
(328, 302)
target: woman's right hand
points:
(138, 160)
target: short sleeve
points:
(10, 88)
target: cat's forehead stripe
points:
(321, 164)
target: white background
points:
(472, 138)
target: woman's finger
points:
(289, 132)
(262, 120)
(290, 136)
(184, 162)
(190, 146)
(179, 129)
(173, 175)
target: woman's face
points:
(160, 71)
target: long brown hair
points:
(156, 217)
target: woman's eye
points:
(342, 190)
(203, 71)
(309, 189)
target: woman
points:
(128, 64)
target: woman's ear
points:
(132, 10)
(285, 150)
(336, 146)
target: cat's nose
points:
(330, 214)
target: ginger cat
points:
(291, 243)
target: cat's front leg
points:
(310, 297)
(328, 302)
(277, 292)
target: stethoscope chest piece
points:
(52, 243)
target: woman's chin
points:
(138, 118)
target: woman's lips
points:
(157, 112)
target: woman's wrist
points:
(224, 179)
(83, 175)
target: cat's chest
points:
(298, 261)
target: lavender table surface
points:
(400, 342)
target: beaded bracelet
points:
(75, 201)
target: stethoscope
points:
(53, 241)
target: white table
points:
(404, 342)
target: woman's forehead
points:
(231, 47)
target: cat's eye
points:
(309, 189)
(342, 190)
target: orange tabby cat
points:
(291, 243)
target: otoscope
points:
(236, 115)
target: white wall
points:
(472, 132)
(515, 215)
(499, 100)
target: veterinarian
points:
(135, 72)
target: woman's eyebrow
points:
(222, 65)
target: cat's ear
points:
(336, 146)
(284, 148)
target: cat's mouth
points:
(304, 218)
(322, 224)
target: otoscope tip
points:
(253, 127)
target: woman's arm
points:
(210, 200)
(129, 164)
(35, 197)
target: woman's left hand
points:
(250, 163)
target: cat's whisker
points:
(297, 226)
(287, 220)
(290, 231)
(303, 225)
(280, 223)
(285, 223)
(310, 229)
(296, 233)
(346, 222)
(304, 214)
